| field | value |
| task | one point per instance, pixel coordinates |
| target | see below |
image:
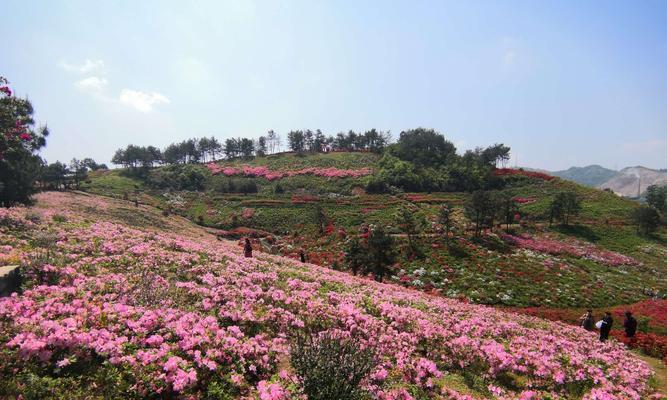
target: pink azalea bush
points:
(182, 313)
(571, 247)
(270, 175)
(524, 200)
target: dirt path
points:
(660, 370)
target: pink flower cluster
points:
(270, 175)
(571, 247)
(13, 218)
(524, 200)
(19, 134)
(177, 311)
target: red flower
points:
(26, 136)
(531, 174)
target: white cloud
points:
(91, 84)
(87, 67)
(95, 84)
(142, 101)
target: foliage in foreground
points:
(331, 366)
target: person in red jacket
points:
(247, 248)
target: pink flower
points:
(262, 171)
(271, 391)
(63, 363)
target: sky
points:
(563, 83)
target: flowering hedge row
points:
(520, 172)
(270, 175)
(649, 343)
(570, 247)
(524, 200)
(180, 315)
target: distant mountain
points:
(592, 175)
(631, 181)
(627, 182)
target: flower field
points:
(271, 175)
(597, 265)
(651, 313)
(571, 247)
(521, 172)
(117, 311)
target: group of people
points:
(605, 324)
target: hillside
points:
(592, 175)
(119, 303)
(599, 261)
(631, 181)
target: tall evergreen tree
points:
(445, 219)
(79, 172)
(20, 165)
(296, 141)
(261, 146)
(564, 206)
(319, 141)
(646, 219)
(381, 253)
(479, 209)
(246, 147)
(355, 255)
(656, 197)
(232, 148)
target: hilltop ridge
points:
(591, 175)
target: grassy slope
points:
(410, 313)
(486, 272)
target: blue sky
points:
(563, 83)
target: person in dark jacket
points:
(630, 325)
(302, 256)
(587, 320)
(247, 248)
(607, 323)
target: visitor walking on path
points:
(605, 326)
(587, 320)
(630, 325)
(247, 248)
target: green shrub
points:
(643, 324)
(178, 177)
(458, 249)
(33, 217)
(59, 218)
(330, 367)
